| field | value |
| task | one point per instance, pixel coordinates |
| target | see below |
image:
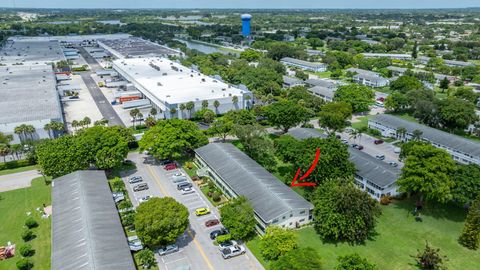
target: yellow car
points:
(202, 211)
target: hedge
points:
(15, 164)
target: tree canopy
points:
(277, 241)
(354, 262)
(470, 236)
(285, 114)
(406, 83)
(160, 221)
(172, 138)
(360, 97)
(467, 184)
(334, 116)
(298, 259)
(238, 217)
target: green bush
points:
(128, 219)
(216, 196)
(31, 223)
(24, 264)
(26, 250)
(374, 132)
(125, 204)
(117, 185)
(27, 235)
(15, 164)
(223, 238)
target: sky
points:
(244, 4)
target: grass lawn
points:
(398, 236)
(363, 123)
(17, 170)
(13, 207)
(325, 74)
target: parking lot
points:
(196, 249)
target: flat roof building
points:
(292, 82)
(28, 96)
(135, 47)
(86, 230)
(168, 84)
(370, 80)
(374, 176)
(317, 67)
(388, 55)
(274, 203)
(31, 52)
(326, 93)
(462, 150)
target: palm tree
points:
(153, 112)
(87, 121)
(205, 104)
(359, 135)
(29, 130)
(182, 108)
(216, 104)
(140, 117)
(235, 101)
(134, 114)
(247, 99)
(190, 107)
(401, 132)
(16, 148)
(4, 151)
(48, 127)
(173, 111)
(75, 125)
(354, 135)
(417, 135)
(20, 131)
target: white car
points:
(187, 190)
(134, 243)
(168, 249)
(232, 251)
(179, 174)
(144, 199)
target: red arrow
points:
(310, 170)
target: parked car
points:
(232, 251)
(378, 141)
(135, 179)
(118, 197)
(344, 141)
(171, 166)
(168, 250)
(179, 179)
(227, 244)
(380, 157)
(397, 150)
(215, 233)
(178, 174)
(134, 243)
(187, 190)
(165, 161)
(183, 185)
(394, 164)
(140, 187)
(212, 222)
(359, 147)
(202, 211)
(144, 199)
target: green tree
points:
(172, 138)
(405, 84)
(237, 215)
(396, 102)
(134, 114)
(257, 145)
(276, 242)
(190, 106)
(415, 50)
(4, 151)
(444, 84)
(147, 258)
(204, 104)
(287, 147)
(333, 163)
(182, 108)
(222, 127)
(343, 212)
(301, 75)
(298, 259)
(354, 262)
(467, 93)
(334, 116)
(457, 113)
(251, 55)
(216, 104)
(315, 43)
(430, 258)
(428, 172)
(285, 114)
(5, 139)
(160, 221)
(470, 237)
(241, 117)
(358, 96)
(467, 184)
(153, 112)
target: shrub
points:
(27, 235)
(26, 250)
(125, 204)
(216, 197)
(374, 132)
(189, 165)
(385, 200)
(211, 185)
(31, 223)
(117, 185)
(195, 178)
(430, 258)
(24, 264)
(223, 238)
(15, 164)
(128, 219)
(209, 194)
(146, 258)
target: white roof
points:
(173, 82)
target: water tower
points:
(246, 18)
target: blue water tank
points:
(246, 18)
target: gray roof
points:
(302, 62)
(291, 80)
(28, 93)
(397, 69)
(86, 229)
(322, 91)
(270, 198)
(320, 82)
(370, 77)
(363, 72)
(367, 167)
(430, 134)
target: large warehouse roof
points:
(70, 38)
(269, 197)
(86, 229)
(368, 167)
(431, 134)
(136, 47)
(172, 82)
(28, 93)
(31, 52)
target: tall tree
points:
(277, 241)
(285, 114)
(298, 259)
(343, 212)
(190, 106)
(238, 217)
(222, 127)
(444, 84)
(358, 96)
(428, 172)
(216, 104)
(160, 221)
(470, 236)
(204, 104)
(406, 83)
(134, 114)
(467, 184)
(334, 116)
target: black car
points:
(184, 185)
(222, 231)
(165, 162)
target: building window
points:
(301, 220)
(283, 217)
(275, 220)
(291, 215)
(302, 212)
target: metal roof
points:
(322, 91)
(376, 171)
(320, 82)
(291, 80)
(370, 77)
(363, 72)
(270, 198)
(302, 62)
(431, 134)
(86, 229)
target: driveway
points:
(196, 249)
(17, 180)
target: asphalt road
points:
(17, 180)
(102, 102)
(196, 249)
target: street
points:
(196, 248)
(102, 103)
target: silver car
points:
(168, 250)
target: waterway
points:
(205, 48)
